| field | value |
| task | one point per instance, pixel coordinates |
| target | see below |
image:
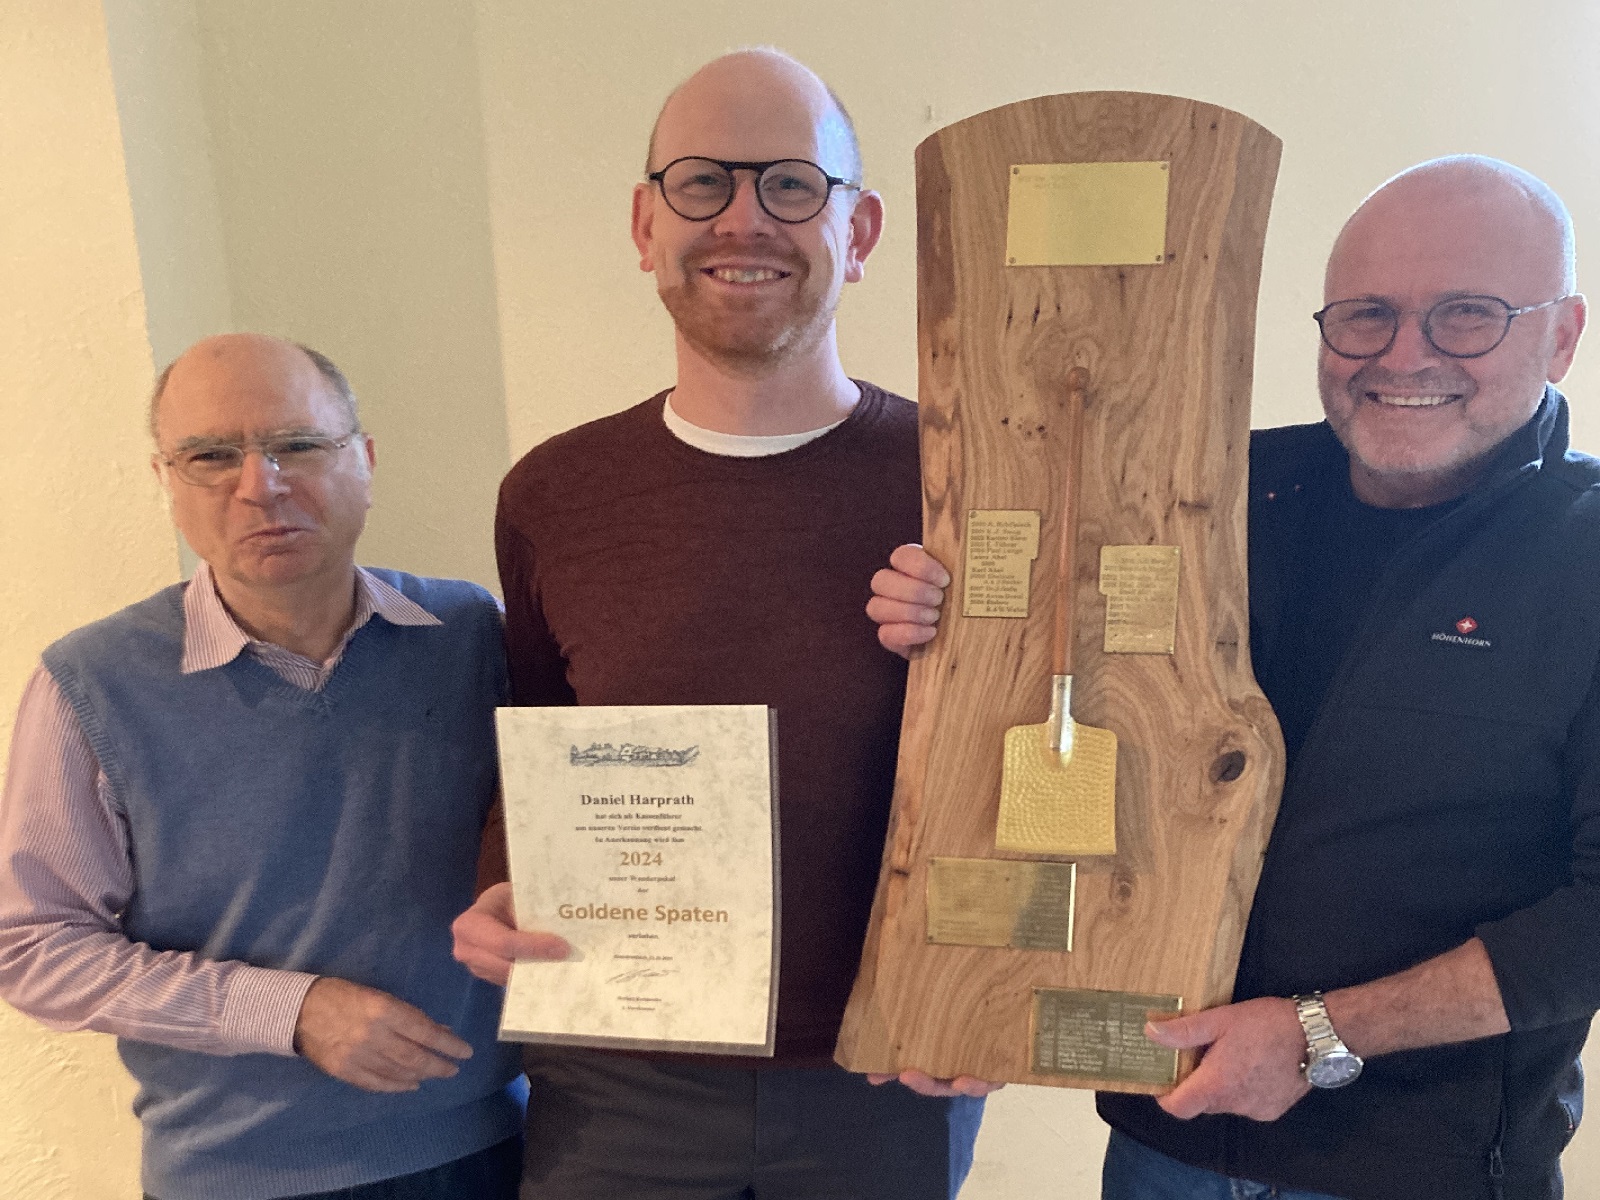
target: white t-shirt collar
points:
(737, 445)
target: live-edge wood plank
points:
(1169, 352)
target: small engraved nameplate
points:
(1001, 547)
(1140, 584)
(1087, 214)
(1001, 902)
(1094, 1036)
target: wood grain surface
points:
(1168, 352)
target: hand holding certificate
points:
(645, 836)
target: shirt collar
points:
(212, 638)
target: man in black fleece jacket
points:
(1425, 618)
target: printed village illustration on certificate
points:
(647, 838)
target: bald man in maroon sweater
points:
(713, 545)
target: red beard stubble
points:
(755, 335)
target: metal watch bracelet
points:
(1328, 1063)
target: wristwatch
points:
(1329, 1063)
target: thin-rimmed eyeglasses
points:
(293, 455)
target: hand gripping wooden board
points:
(1035, 270)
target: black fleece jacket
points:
(1449, 786)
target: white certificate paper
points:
(645, 836)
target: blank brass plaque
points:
(1092, 1035)
(1001, 902)
(1140, 584)
(1001, 546)
(1087, 214)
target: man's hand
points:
(926, 1085)
(372, 1039)
(1251, 1063)
(906, 598)
(488, 940)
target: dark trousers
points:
(608, 1127)
(1133, 1171)
(487, 1175)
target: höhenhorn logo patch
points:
(1464, 633)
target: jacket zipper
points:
(1497, 1164)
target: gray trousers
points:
(618, 1128)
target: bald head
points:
(1466, 209)
(1420, 420)
(759, 87)
(262, 349)
(278, 517)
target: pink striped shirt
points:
(66, 877)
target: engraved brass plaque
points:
(1001, 902)
(1001, 547)
(1140, 584)
(1087, 214)
(1093, 1035)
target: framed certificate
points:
(647, 838)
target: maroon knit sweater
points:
(640, 570)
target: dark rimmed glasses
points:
(293, 455)
(1457, 327)
(790, 190)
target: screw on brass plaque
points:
(1140, 584)
(1096, 1035)
(1087, 214)
(1001, 545)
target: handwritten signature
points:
(641, 973)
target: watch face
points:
(1335, 1069)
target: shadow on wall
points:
(346, 152)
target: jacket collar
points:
(1543, 439)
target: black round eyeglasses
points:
(1458, 327)
(790, 190)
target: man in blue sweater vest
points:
(240, 815)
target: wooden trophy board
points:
(1167, 342)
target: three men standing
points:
(265, 918)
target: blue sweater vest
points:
(333, 832)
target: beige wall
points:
(166, 138)
(349, 166)
(1356, 91)
(84, 530)
(157, 63)
(436, 194)
(316, 171)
